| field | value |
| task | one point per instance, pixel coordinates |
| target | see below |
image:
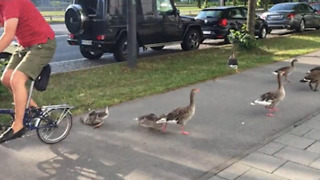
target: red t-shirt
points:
(32, 28)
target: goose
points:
(287, 70)
(312, 78)
(314, 69)
(150, 121)
(180, 115)
(95, 118)
(232, 61)
(271, 99)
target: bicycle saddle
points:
(42, 81)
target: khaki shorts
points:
(31, 60)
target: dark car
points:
(100, 26)
(292, 15)
(218, 21)
(316, 6)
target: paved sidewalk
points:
(292, 154)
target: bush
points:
(242, 39)
(3, 63)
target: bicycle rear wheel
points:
(55, 126)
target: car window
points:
(209, 14)
(284, 6)
(316, 6)
(235, 13)
(164, 6)
(146, 6)
(117, 7)
(310, 9)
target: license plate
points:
(86, 42)
(276, 16)
(206, 32)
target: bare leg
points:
(5, 80)
(20, 94)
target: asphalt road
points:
(68, 57)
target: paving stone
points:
(262, 161)
(233, 171)
(313, 134)
(301, 130)
(255, 174)
(297, 155)
(271, 148)
(316, 164)
(294, 140)
(216, 178)
(313, 123)
(315, 147)
(296, 171)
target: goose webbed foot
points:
(183, 131)
(270, 115)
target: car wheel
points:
(120, 52)
(76, 19)
(157, 48)
(301, 26)
(90, 53)
(263, 33)
(191, 40)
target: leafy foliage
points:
(242, 38)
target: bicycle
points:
(52, 123)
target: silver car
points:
(292, 15)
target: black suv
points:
(218, 21)
(100, 26)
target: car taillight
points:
(101, 37)
(290, 16)
(71, 36)
(223, 22)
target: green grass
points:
(116, 83)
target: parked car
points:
(316, 6)
(292, 15)
(100, 26)
(218, 21)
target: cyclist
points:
(22, 20)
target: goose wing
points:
(269, 96)
(178, 114)
(149, 117)
(286, 68)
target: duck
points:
(180, 115)
(271, 99)
(314, 69)
(150, 121)
(95, 118)
(287, 70)
(232, 61)
(312, 78)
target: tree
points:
(251, 16)
(199, 3)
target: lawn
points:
(116, 83)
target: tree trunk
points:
(199, 3)
(206, 3)
(251, 16)
(234, 2)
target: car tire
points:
(263, 32)
(120, 52)
(157, 48)
(191, 40)
(91, 54)
(76, 19)
(301, 26)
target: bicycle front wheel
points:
(55, 126)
